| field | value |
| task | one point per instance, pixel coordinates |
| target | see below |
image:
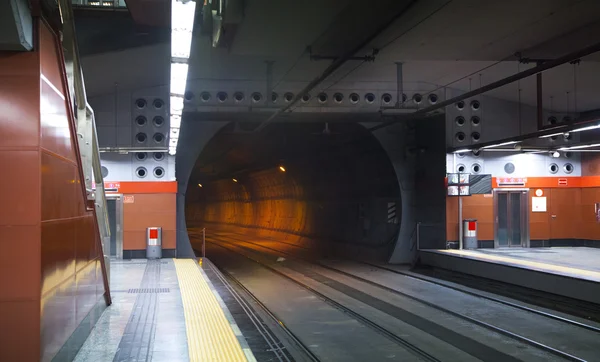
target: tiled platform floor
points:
(146, 321)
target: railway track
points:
(502, 331)
(420, 353)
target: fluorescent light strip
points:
(179, 72)
(586, 128)
(579, 147)
(501, 144)
(582, 129)
(182, 26)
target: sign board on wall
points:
(128, 199)
(538, 204)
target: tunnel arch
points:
(340, 192)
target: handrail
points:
(86, 136)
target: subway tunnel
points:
(330, 190)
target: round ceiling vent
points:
(141, 137)
(159, 172)
(205, 96)
(417, 98)
(222, 96)
(158, 103)
(141, 172)
(256, 97)
(140, 103)
(386, 98)
(238, 97)
(140, 121)
(158, 121)
(322, 97)
(568, 168)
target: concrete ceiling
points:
(439, 41)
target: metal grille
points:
(149, 290)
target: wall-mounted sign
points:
(538, 204)
(539, 192)
(511, 181)
(128, 199)
(109, 186)
(458, 184)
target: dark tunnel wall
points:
(337, 195)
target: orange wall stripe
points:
(149, 187)
(548, 182)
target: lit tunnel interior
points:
(338, 196)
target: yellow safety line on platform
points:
(209, 333)
(528, 263)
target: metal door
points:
(114, 205)
(511, 211)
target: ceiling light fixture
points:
(182, 26)
(556, 154)
(199, 185)
(579, 147)
(234, 180)
(501, 144)
(281, 168)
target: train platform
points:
(164, 310)
(568, 271)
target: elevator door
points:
(512, 218)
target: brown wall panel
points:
(589, 227)
(20, 198)
(55, 133)
(539, 222)
(20, 245)
(149, 210)
(50, 68)
(134, 240)
(20, 207)
(573, 207)
(69, 239)
(564, 204)
(20, 330)
(19, 118)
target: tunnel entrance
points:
(329, 189)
